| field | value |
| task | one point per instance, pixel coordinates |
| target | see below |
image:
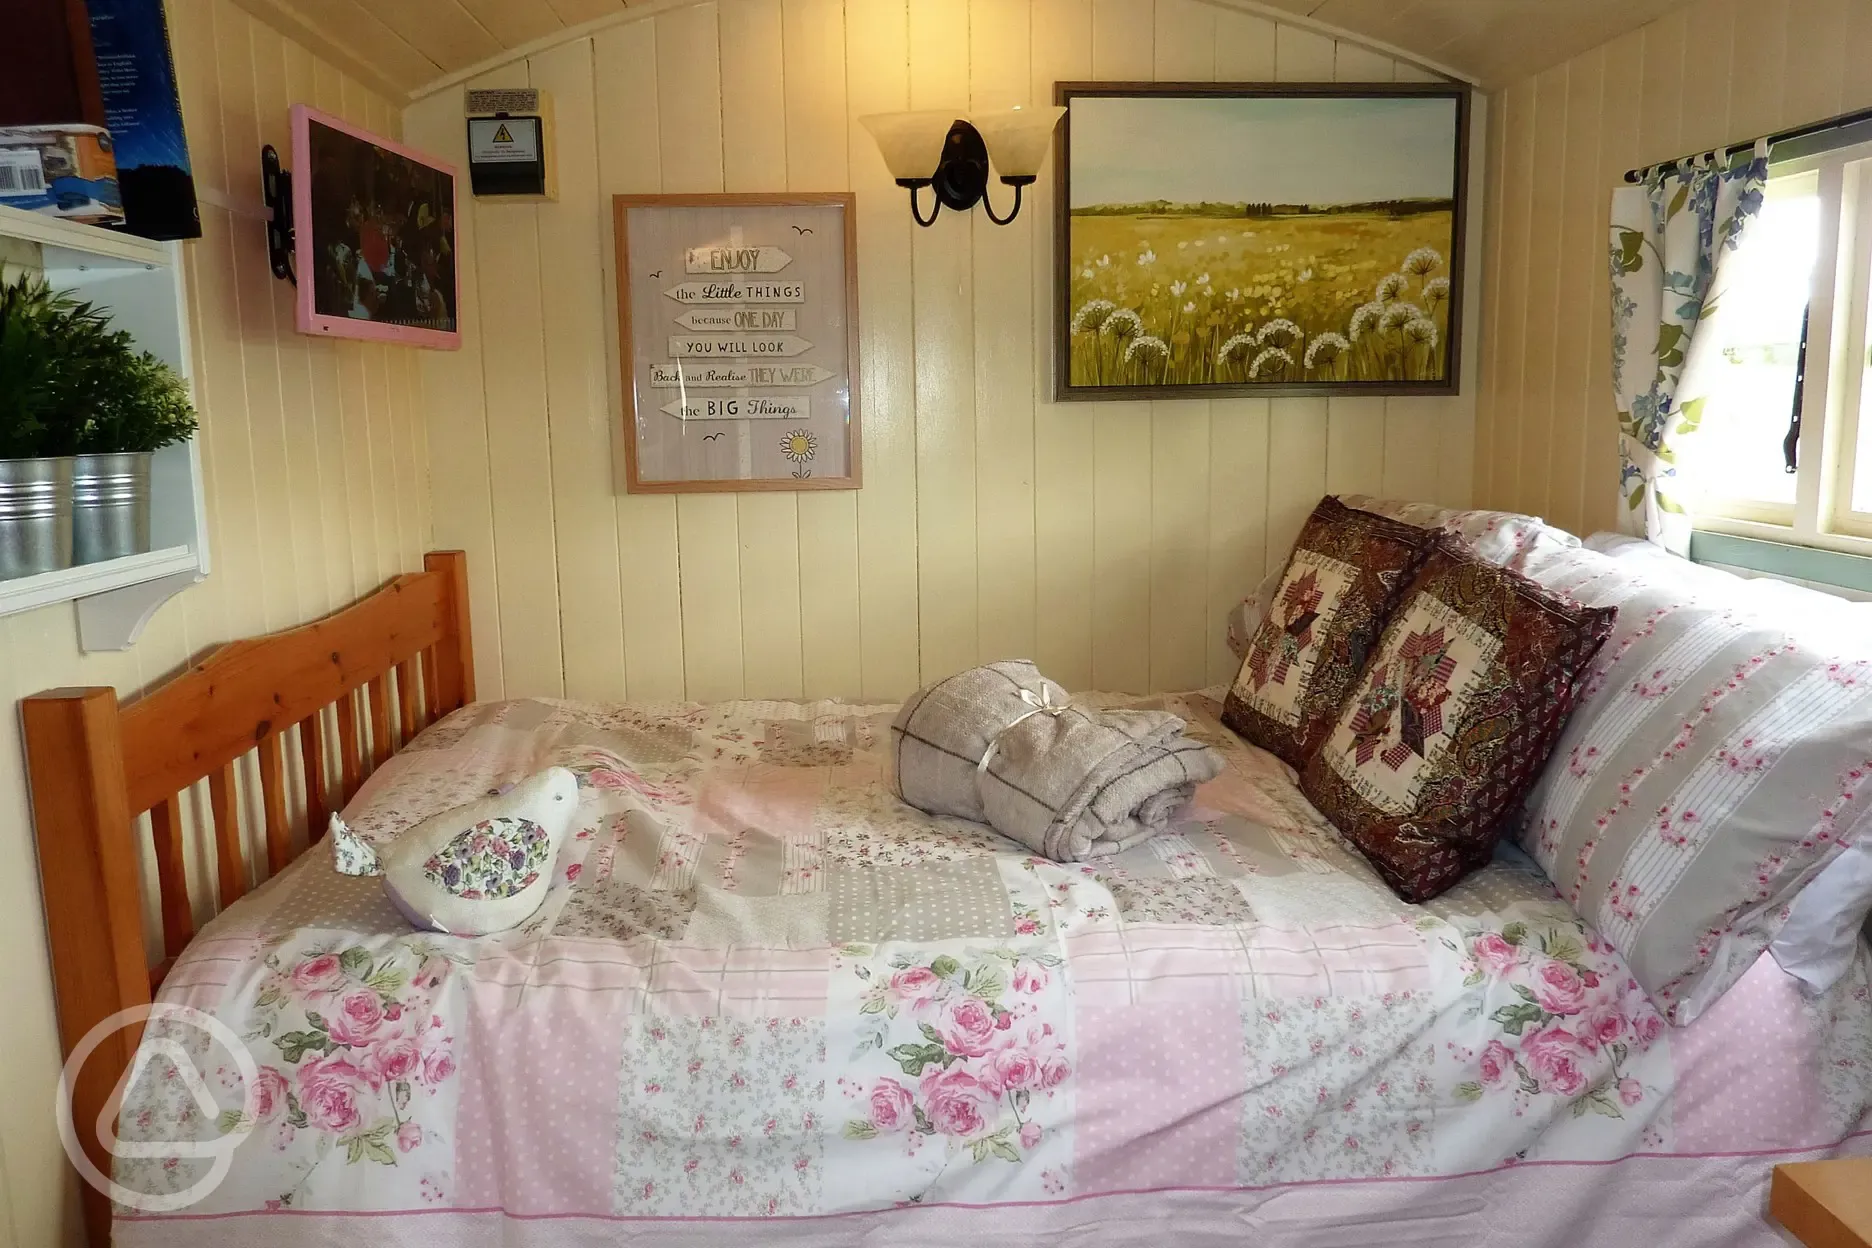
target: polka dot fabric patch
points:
(1168, 1074)
(319, 897)
(934, 901)
(1738, 1082)
(539, 1102)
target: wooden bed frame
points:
(96, 768)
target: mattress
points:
(763, 993)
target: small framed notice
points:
(738, 336)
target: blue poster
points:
(144, 113)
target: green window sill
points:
(1800, 563)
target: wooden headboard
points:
(405, 653)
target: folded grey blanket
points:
(1066, 781)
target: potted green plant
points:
(82, 412)
(135, 406)
(36, 443)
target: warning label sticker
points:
(503, 140)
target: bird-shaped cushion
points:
(477, 869)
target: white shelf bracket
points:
(114, 619)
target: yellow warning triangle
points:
(501, 135)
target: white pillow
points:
(1245, 619)
(1505, 538)
(1713, 770)
(1816, 943)
(477, 869)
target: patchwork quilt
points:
(762, 988)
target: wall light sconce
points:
(959, 150)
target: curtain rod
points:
(1840, 122)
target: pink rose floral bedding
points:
(761, 988)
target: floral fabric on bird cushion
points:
(1461, 704)
(494, 858)
(1345, 576)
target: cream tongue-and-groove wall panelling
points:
(1716, 72)
(1106, 541)
(315, 467)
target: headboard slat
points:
(406, 699)
(380, 747)
(348, 749)
(312, 762)
(178, 920)
(432, 694)
(230, 851)
(273, 805)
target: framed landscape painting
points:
(1273, 239)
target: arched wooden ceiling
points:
(407, 46)
(1495, 42)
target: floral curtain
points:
(1670, 238)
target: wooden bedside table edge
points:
(1824, 1204)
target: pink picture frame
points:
(387, 247)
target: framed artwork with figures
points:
(1265, 239)
(738, 341)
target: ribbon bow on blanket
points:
(1041, 703)
(998, 745)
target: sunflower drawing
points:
(800, 445)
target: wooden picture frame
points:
(742, 274)
(1230, 309)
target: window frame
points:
(1839, 332)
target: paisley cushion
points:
(1450, 723)
(1340, 585)
(1505, 537)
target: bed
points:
(761, 992)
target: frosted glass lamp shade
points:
(1018, 138)
(912, 143)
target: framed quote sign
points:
(738, 335)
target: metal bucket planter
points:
(35, 516)
(110, 513)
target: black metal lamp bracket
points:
(962, 173)
(915, 185)
(988, 204)
(961, 178)
(276, 190)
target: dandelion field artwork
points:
(1290, 239)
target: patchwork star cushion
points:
(1468, 690)
(1505, 537)
(1342, 581)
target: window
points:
(1781, 454)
